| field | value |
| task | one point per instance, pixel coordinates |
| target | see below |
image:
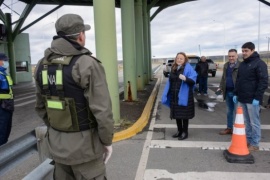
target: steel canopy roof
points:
(151, 3)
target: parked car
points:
(167, 67)
(193, 60)
(212, 67)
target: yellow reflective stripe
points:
(44, 77)
(55, 104)
(10, 82)
(59, 77)
(6, 96)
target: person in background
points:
(202, 70)
(6, 100)
(227, 84)
(74, 101)
(178, 94)
(251, 82)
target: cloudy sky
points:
(213, 25)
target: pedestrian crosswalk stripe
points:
(27, 97)
(205, 145)
(200, 126)
(22, 104)
(154, 174)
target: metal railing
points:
(15, 152)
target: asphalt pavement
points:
(154, 154)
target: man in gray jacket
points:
(227, 84)
(74, 102)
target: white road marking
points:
(25, 103)
(146, 147)
(200, 126)
(23, 94)
(27, 97)
(154, 174)
(206, 145)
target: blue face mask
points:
(5, 64)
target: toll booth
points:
(22, 57)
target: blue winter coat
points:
(190, 73)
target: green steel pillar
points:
(139, 44)
(105, 34)
(10, 46)
(146, 44)
(149, 48)
(129, 56)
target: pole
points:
(268, 50)
(259, 24)
(224, 39)
(106, 49)
(200, 50)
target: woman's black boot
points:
(176, 135)
(179, 127)
(184, 134)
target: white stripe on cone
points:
(239, 119)
(239, 131)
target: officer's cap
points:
(3, 57)
(70, 24)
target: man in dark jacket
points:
(202, 71)
(73, 100)
(252, 81)
(227, 85)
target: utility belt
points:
(61, 111)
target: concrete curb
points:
(142, 121)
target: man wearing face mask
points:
(6, 100)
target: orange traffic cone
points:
(238, 151)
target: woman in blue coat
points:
(178, 94)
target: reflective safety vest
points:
(66, 107)
(9, 95)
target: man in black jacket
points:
(202, 71)
(252, 81)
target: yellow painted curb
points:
(142, 121)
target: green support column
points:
(128, 44)
(149, 47)
(139, 44)
(105, 34)
(10, 46)
(146, 39)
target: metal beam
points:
(2, 16)
(156, 12)
(40, 18)
(24, 15)
(152, 4)
(164, 5)
(1, 2)
(265, 2)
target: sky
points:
(203, 27)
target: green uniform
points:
(79, 153)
